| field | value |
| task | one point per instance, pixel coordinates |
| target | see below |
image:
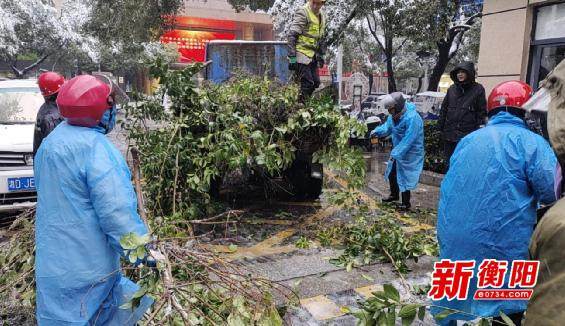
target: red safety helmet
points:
(50, 83)
(83, 100)
(512, 93)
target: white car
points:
(19, 102)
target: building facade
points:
(201, 21)
(520, 39)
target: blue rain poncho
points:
(408, 146)
(86, 203)
(488, 201)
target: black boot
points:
(390, 199)
(405, 206)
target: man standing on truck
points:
(306, 50)
(48, 116)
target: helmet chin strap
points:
(112, 112)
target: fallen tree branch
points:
(208, 220)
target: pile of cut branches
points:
(189, 138)
(17, 278)
(249, 125)
(190, 285)
(369, 238)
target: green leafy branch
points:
(385, 307)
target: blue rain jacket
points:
(488, 200)
(86, 203)
(408, 146)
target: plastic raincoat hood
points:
(86, 203)
(408, 146)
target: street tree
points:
(254, 5)
(469, 50)
(439, 26)
(359, 46)
(387, 22)
(36, 29)
(129, 30)
(119, 34)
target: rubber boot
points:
(405, 206)
(390, 199)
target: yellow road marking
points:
(322, 308)
(373, 204)
(367, 291)
(269, 222)
(270, 246)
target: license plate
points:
(21, 184)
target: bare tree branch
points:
(394, 52)
(374, 33)
(21, 73)
(339, 32)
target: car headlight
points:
(28, 159)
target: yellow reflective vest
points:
(308, 41)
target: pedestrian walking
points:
(48, 116)
(488, 198)
(86, 204)
(306, 51)
(407, 156)
(463, 109)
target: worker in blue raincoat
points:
(488, 198)
(86, 204)
(407, 156)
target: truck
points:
(266, 58)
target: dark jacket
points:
(464, 108)
(48, 118)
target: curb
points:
(427, 177)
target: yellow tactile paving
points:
(321, 307)
(367, 291)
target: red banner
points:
(192, 44)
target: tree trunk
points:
(420, 78)
(389, 68)
(441, 63)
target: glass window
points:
(551, 56)
(19, 104)
(550, 22)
